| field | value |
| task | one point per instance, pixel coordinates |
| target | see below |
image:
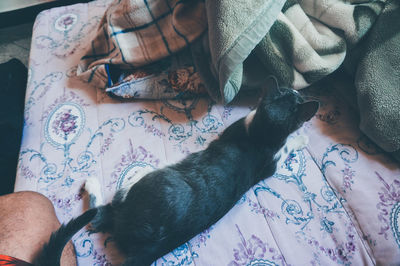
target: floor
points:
(10, 5)
(15, 42)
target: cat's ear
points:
(307, 110)
(271, 87)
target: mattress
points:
(336, 202)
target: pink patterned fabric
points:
(337, 202)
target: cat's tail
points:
(51, 252)
(99, 215)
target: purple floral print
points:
(201, 239)
(348, 175)
(388, 197)
(258, 208)
(68, 97)
(106, 143)
(26, 172)
(100, 259)
(65, 204)
(65, 124)
(153, 130)
(253, 249)
(227, 112)
(340, 253)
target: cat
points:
(165, 208)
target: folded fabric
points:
(134, 33)
(378, 81)
(234, 29)
(375, 70)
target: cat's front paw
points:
(300, 142)
(93, 188)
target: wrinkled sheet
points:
(335, 202)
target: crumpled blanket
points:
(374, 69)
(308, 41)
(299, 42)
(136, 33)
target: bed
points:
(336, 202)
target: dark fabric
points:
(13, 76)
(375, 69)
(11, 261)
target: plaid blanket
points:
(134, 33)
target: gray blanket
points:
(307, 41)
(375, 67)
(235, 28)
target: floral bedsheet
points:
(337, 202)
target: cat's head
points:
(280, 112)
